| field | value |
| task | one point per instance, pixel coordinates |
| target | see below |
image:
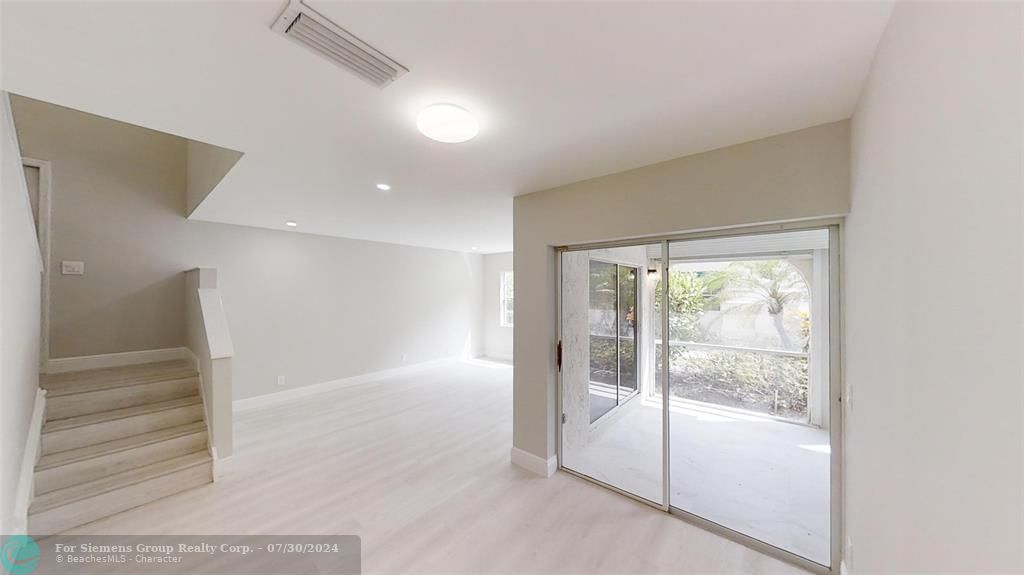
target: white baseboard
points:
(66, 364)
(221, 465)
(534, 464)
(498, 355)
(26, 479)
(269, 399)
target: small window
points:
(507, 307)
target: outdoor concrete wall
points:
(497, 338)
(802, 174)
(934, 251)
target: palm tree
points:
(768, 285)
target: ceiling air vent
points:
(307, 26)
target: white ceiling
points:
(563, 92)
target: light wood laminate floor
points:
(418, 466)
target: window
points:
(507, 307)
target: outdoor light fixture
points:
(447, 123)
(383, 187)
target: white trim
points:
(269, 399)
(26, 479)
(222, 466)
(43, 236)
(497, 356)
(66, 364)
(534, 464)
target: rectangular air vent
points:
(307, 26)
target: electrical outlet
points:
(280, 380)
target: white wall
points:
(20, 269)
(309, 308)
(497, 339)
(802, 174)
(933, 297)
(317, 308)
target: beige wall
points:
(802, 174)
(497, 339)
(933, 253)
(206, 165)
(118, 205)
(20, 269)
(310, 308)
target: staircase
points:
(117, 438)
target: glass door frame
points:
(836, 385)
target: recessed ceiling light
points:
(383, 187)
(447, 123)
(290, 224)
(473, 248)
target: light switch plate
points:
(72, 268)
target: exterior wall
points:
(310, 308)
(20, 289)
(497, 339)
(934, 252)
(803, 174)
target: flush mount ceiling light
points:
(383, 187)
(447, 123)
(290, 224)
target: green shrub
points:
(759, 382)
(602, 358)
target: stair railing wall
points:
(209, 339)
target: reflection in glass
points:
(603, 341)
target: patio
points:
(751, 473)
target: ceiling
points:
(563, 92)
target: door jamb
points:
(43, 237)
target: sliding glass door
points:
(742, 343)
(607, 358)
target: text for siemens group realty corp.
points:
(182, 554)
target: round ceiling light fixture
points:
(447, 123)
(383, 187)
(291, 224)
